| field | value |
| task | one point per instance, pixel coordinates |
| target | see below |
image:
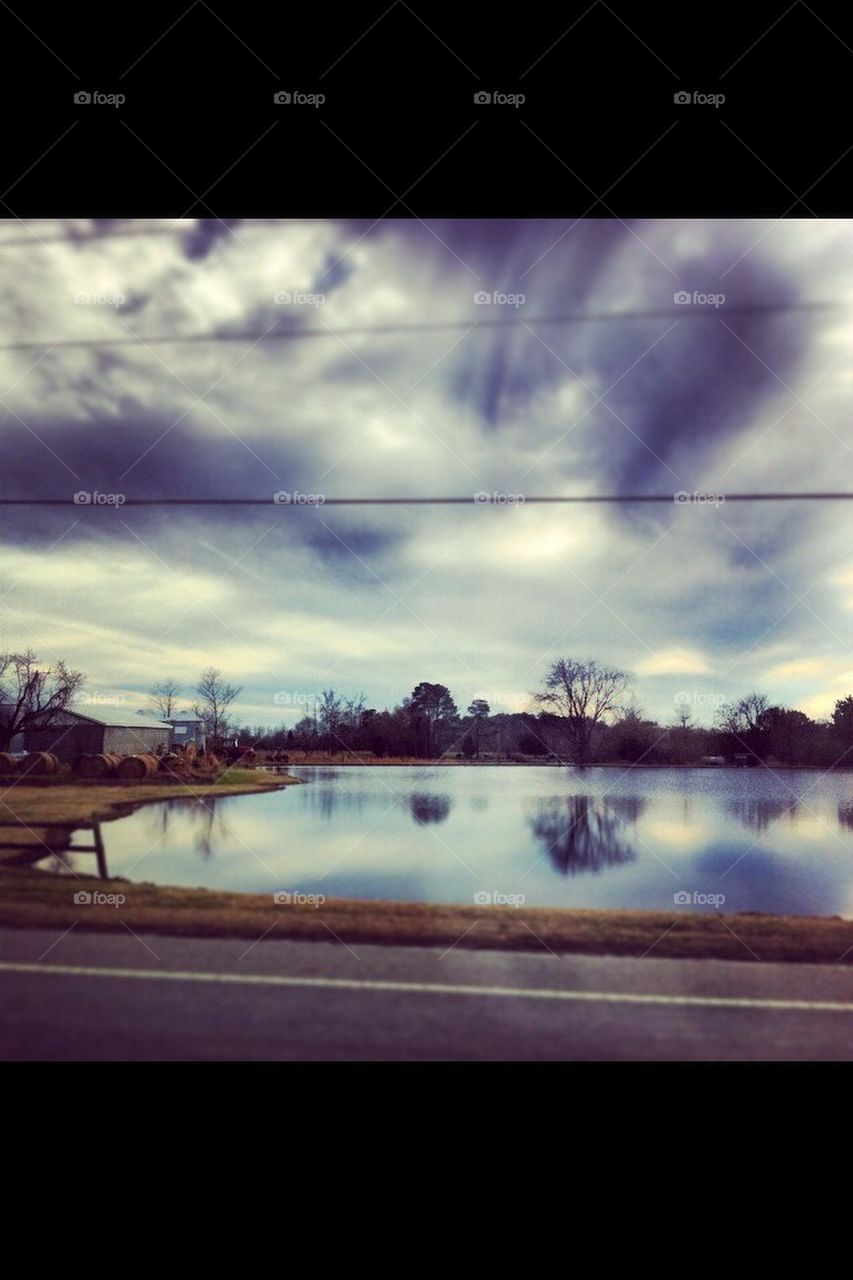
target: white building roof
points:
(115, 717)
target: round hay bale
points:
(169, 762)
(39, 763)
(8, 763)
(97, 766)
(134, 768)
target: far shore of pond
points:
(408, 763)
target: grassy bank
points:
(75, 800)
(29, 898)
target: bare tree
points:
(683, 716)
(745, 720)
(214, 699)
(32, 695)
(331, 715)
(163, 699)
(744, 716)
(580, 695)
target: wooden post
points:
(99, 850)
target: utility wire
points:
(294, 334)
(504, 500)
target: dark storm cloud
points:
(486, 407)
(204, 236)
(345, 538)
(505, 368)
(705, 381)
(335, 273)
(701, 385)
(149, 456)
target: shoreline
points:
(71, 803)
(545, 764)
(36, 899)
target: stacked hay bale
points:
(96, 766)
(39, 764)
(8, 763)
(137, 768)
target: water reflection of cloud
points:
(783, 885)
(679, 835)
(417, 835)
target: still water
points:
(760, 841)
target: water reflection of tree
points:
(208, 827)
(326, 799)
(429, 806)
(845, 815)
(581, 833)
(628, 808)
(759, 813)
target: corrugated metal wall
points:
(130, 742)
(66, 742)
(69, 742)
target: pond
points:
(737, 839)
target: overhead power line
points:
(500, 500)
(295, 334)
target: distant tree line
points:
(584, 714)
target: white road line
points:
(433, 988)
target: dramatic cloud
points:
(328, 372)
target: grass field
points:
(29, 898)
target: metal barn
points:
(97, 730)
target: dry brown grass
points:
(74, 800)
(30, 898)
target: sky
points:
(698, 602)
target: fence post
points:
(99, 850)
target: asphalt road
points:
(146, 997)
